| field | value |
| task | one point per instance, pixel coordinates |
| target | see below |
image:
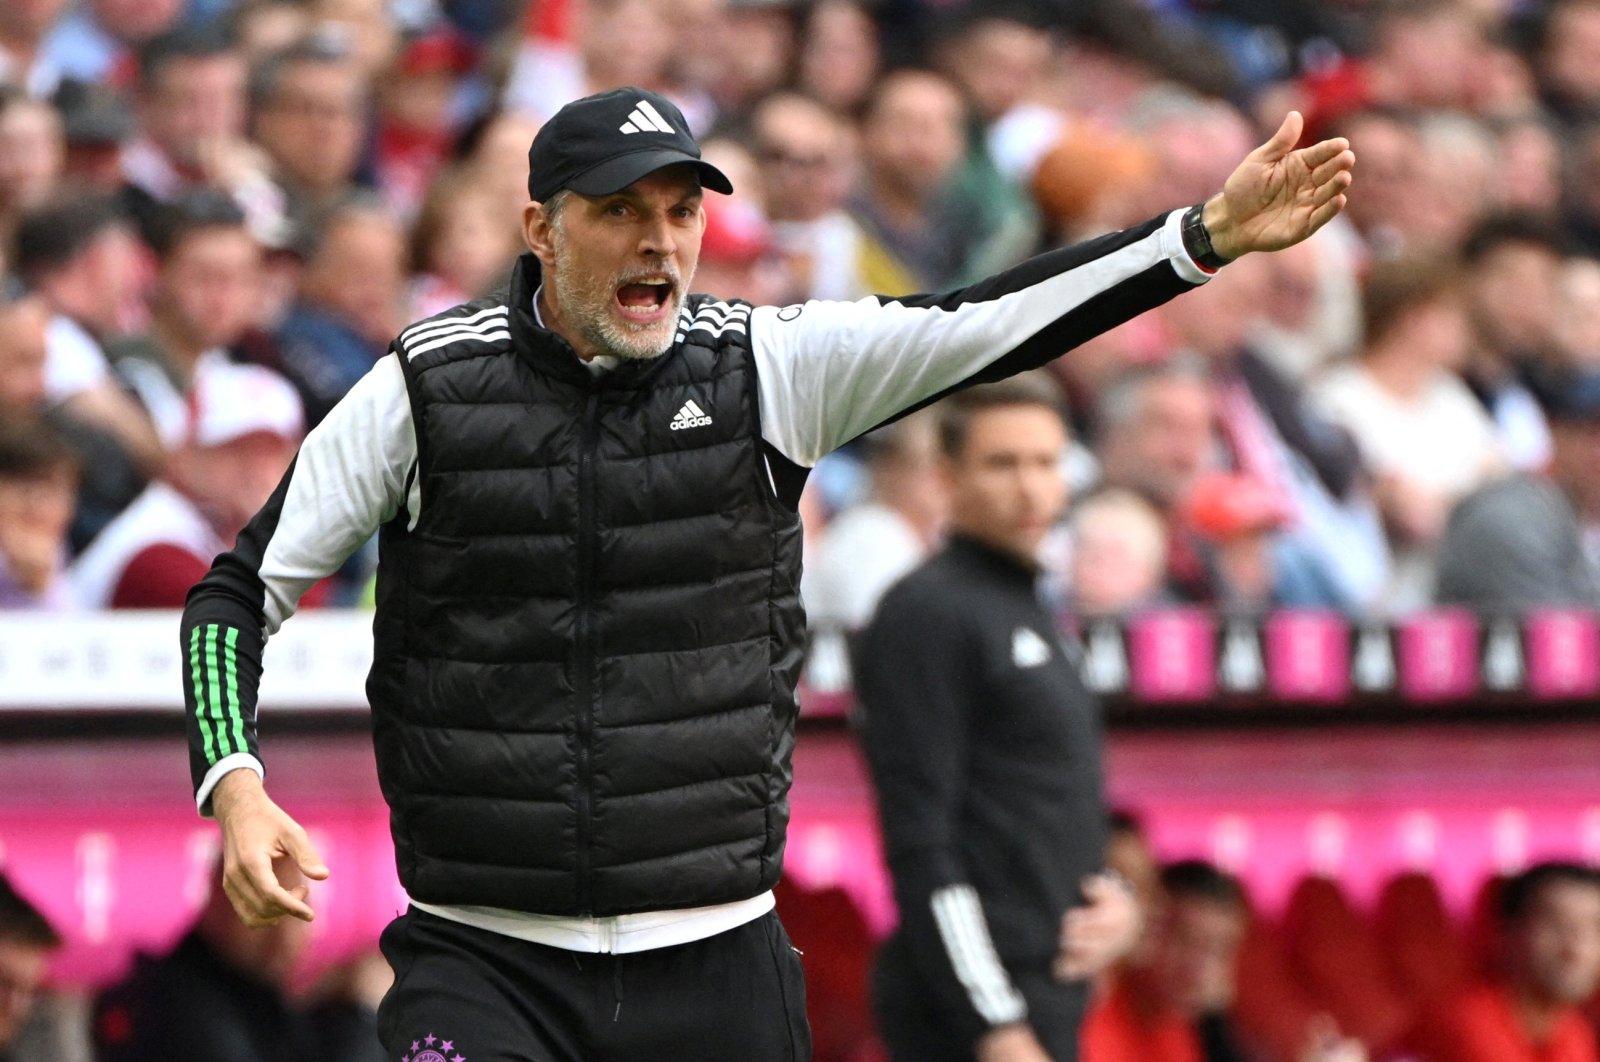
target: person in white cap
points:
(245, 423)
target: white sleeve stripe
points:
(422, 326)
(965, 934)
(237, 761)
(498, 321)
(833, 370)
(456, 337)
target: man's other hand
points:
(264, 853)
(1278, 196)
(1011, 1043)
(1098, 933)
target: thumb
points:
(306, 857)
(1283, 141)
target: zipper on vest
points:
(585, 674)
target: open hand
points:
(264, 853)
(1098, 933)
(1278, 196)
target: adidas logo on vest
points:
(645, 119)
(690, 416)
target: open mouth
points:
(646, 299)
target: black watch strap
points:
(1197, 241)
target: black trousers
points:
(915, 1029)
(736, 997)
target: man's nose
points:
(657, 239)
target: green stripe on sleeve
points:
(214, 688)
(231, 666)
(199, 696)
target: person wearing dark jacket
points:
(588, 628)
(984, 746)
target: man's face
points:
(1167, 443)
(1555, 949)
(311, 125)
(804, 160)
(195, 104)
(915, 134)
(1006, 487)
(617, 267)
(1513, 291)
(209, 284)
(22, 969)
(1575, 463)
(31, 155)
(114, 261)
(359, 273)
(1195, 953)
(22, 355)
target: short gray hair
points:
(554, 205)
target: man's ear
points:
(537, 233)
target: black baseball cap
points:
(603, 143)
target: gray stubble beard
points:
(587, 309)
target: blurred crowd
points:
(215, 215)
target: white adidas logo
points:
(690, 416)
(646, 119)
(1028, 649)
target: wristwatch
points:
(1197, 241)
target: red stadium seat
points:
(1336, 960)
(837, 954)
(1423, 950)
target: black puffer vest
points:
(587, 646)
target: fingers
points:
(305, 855)
(1332, 187)
(1326, 213)
(1283, 141)
(274, 900)
(1325, 151)
(1342, 162)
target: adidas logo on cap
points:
(690, 416)
(645, 119)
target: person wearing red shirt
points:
(1550, 964)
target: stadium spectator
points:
(1271, 434)
(460, 246)
(245, 423)
(1513, 267)
(838, 55)
(1528, 540)
(1576, 335)
(191, 107)
(1425, 438)
(417, 118)
(351, 300)
(27, 940)
(805, 152)
(737, 254)
(1549, 950)
(1157, 434)
(1568, 50)
(97, 121)
(38, 492)
(31, 156)
(1258, 566)
(913, 139)
(1119, 554)
(206, 293)
(23, 64)
(1391, 160)
(223, 994)
(1173, 1002)
(308, 109)
(81, 260)
(869, 546)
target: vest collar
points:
(551, 355)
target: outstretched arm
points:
(829, 371)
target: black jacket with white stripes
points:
(426, 431)
(984, 747)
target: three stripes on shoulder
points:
(485, 326)
(494, 324)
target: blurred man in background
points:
(27, 940)
(984, 747)
(1549, 951)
